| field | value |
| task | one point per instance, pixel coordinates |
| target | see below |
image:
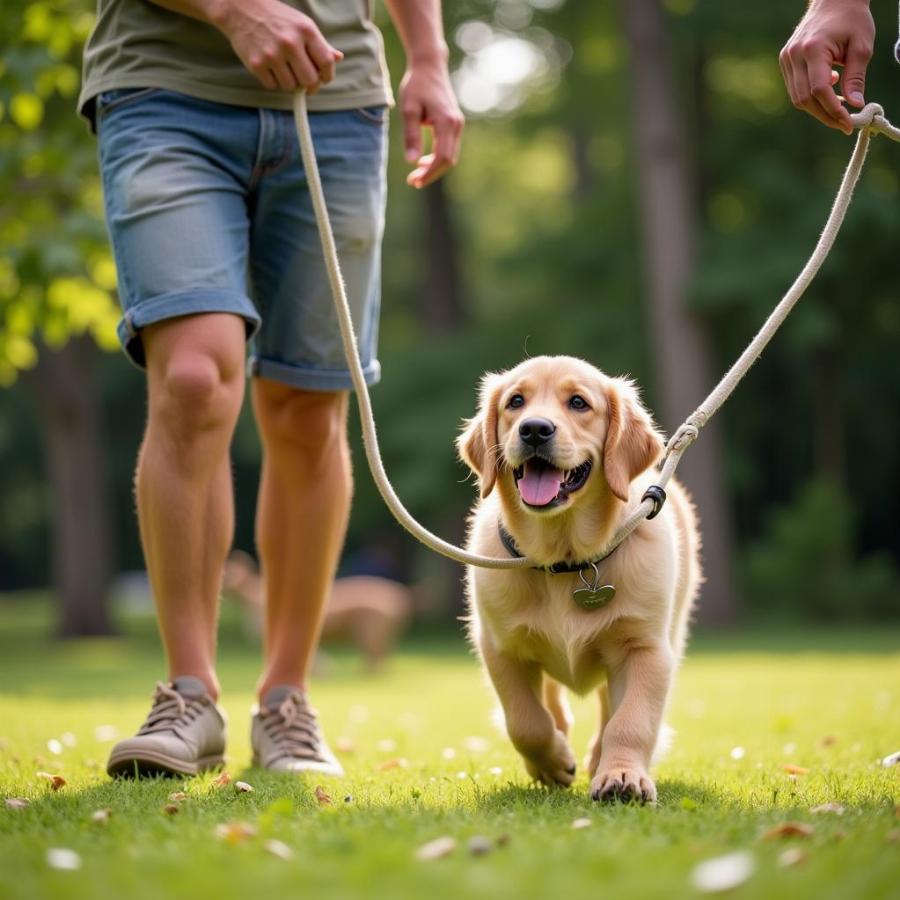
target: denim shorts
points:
(208, 211)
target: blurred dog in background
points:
(369, 612)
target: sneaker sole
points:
(130, 765)
(322, 768)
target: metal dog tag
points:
(593, 595)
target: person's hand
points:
(427, 100)
(832, 33)
(282, 47)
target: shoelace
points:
(293, 727)
(170, 709)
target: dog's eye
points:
(515, 402)
(576, 401)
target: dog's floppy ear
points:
(632, 442)
(478, 444)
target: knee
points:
(197, 391)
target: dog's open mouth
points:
(543, 486)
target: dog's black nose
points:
(535, 432)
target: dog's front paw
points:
(624, 783)
(555, 766)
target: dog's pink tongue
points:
(540, 484)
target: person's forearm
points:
(421, 31)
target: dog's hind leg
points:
(557, 702)
(592, 760)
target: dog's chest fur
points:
(532, 616)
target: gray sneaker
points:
(286, 737)
(184, 734)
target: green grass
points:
(827, 701)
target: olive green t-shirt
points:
(137, 44)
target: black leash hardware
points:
(658, 496)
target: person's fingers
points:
(285, 77)
(412, 131)
(428, 170)
(824, 101)
(306, 73)
(323, 57)
(787, 74)
(853, 82)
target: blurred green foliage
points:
(544, 210)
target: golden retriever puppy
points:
(562, 453)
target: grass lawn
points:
(425, 762)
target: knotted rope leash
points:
(869, 121)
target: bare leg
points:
(531, 728)
(304, 504)
(638, 690)
(183, 483)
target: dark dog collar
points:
(558, 568)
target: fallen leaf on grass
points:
(63, 859)
(243, 788)
(787, 829)
(235, 832)
(171, 809)
(323, 798)
(503, 840)
(101, 816)
(723, 873)
(55, 781)
(794, 770)
(828, 741)
(578, 824)
(222, 780)
(17, 803)
(835, 808)
(436, 849)
(177, 796)
(279, 849)
(398, 763)
(480, 845)
(891, 760)
(793, 856)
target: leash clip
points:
(657, 495)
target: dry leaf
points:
(794, 770)
(322, 796)
(791, 857)
(63, 859)
(243, 788)
(503, 840)
(279, 849)
(479, 846)
(177, 796)
(398, 763)
(56, 781)
(344, 744)
(101, 816)
(222, 780)
(578, 824)
(17, 803)
(835, 808)
(235, 832)
(436, 849)
(723, 873)
(171, 809)
(787, 829)
(828, 741)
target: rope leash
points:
(871, 120)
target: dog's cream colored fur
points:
(531, 635)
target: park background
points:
(634, 188)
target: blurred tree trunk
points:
(70, 421)
(444, 308)
(683, 373)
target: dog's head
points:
(554, 426)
